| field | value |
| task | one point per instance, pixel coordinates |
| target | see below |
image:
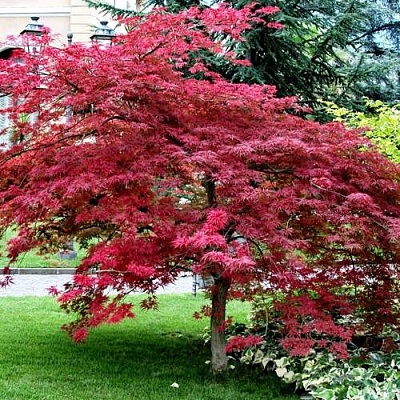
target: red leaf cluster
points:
(309, 322)
(157, 173)
(239, 343)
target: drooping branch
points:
(384, 27)
(269, 168)
(43, 146)
(153, 50)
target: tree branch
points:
(269, 168)
(209, 184)
(384, 27)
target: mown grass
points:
(138, 359)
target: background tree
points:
(156, 173)
(381, 124)
(330, 50)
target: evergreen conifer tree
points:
(331, 50)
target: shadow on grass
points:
(138, 359)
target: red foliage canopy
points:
(157, 173)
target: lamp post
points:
(70, 35)
(31, 33)
(33, 28)
(103, 35)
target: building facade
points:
(61, 16)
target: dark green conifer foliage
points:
(336, 50)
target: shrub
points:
(372, 370)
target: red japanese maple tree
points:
(157, 173)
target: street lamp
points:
(103, 34)
(70, 35)
(33, 28)
(31, 34)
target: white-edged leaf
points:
(281, 372)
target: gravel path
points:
(37, 285)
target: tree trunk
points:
(219, 291)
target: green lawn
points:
(138, 359)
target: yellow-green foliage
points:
(381, 123)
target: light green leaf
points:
(324, 394)
(288, 377)
(281, 362)
(281, 372)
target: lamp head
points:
(103, 34)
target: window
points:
(4, 103)
(123, 4)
